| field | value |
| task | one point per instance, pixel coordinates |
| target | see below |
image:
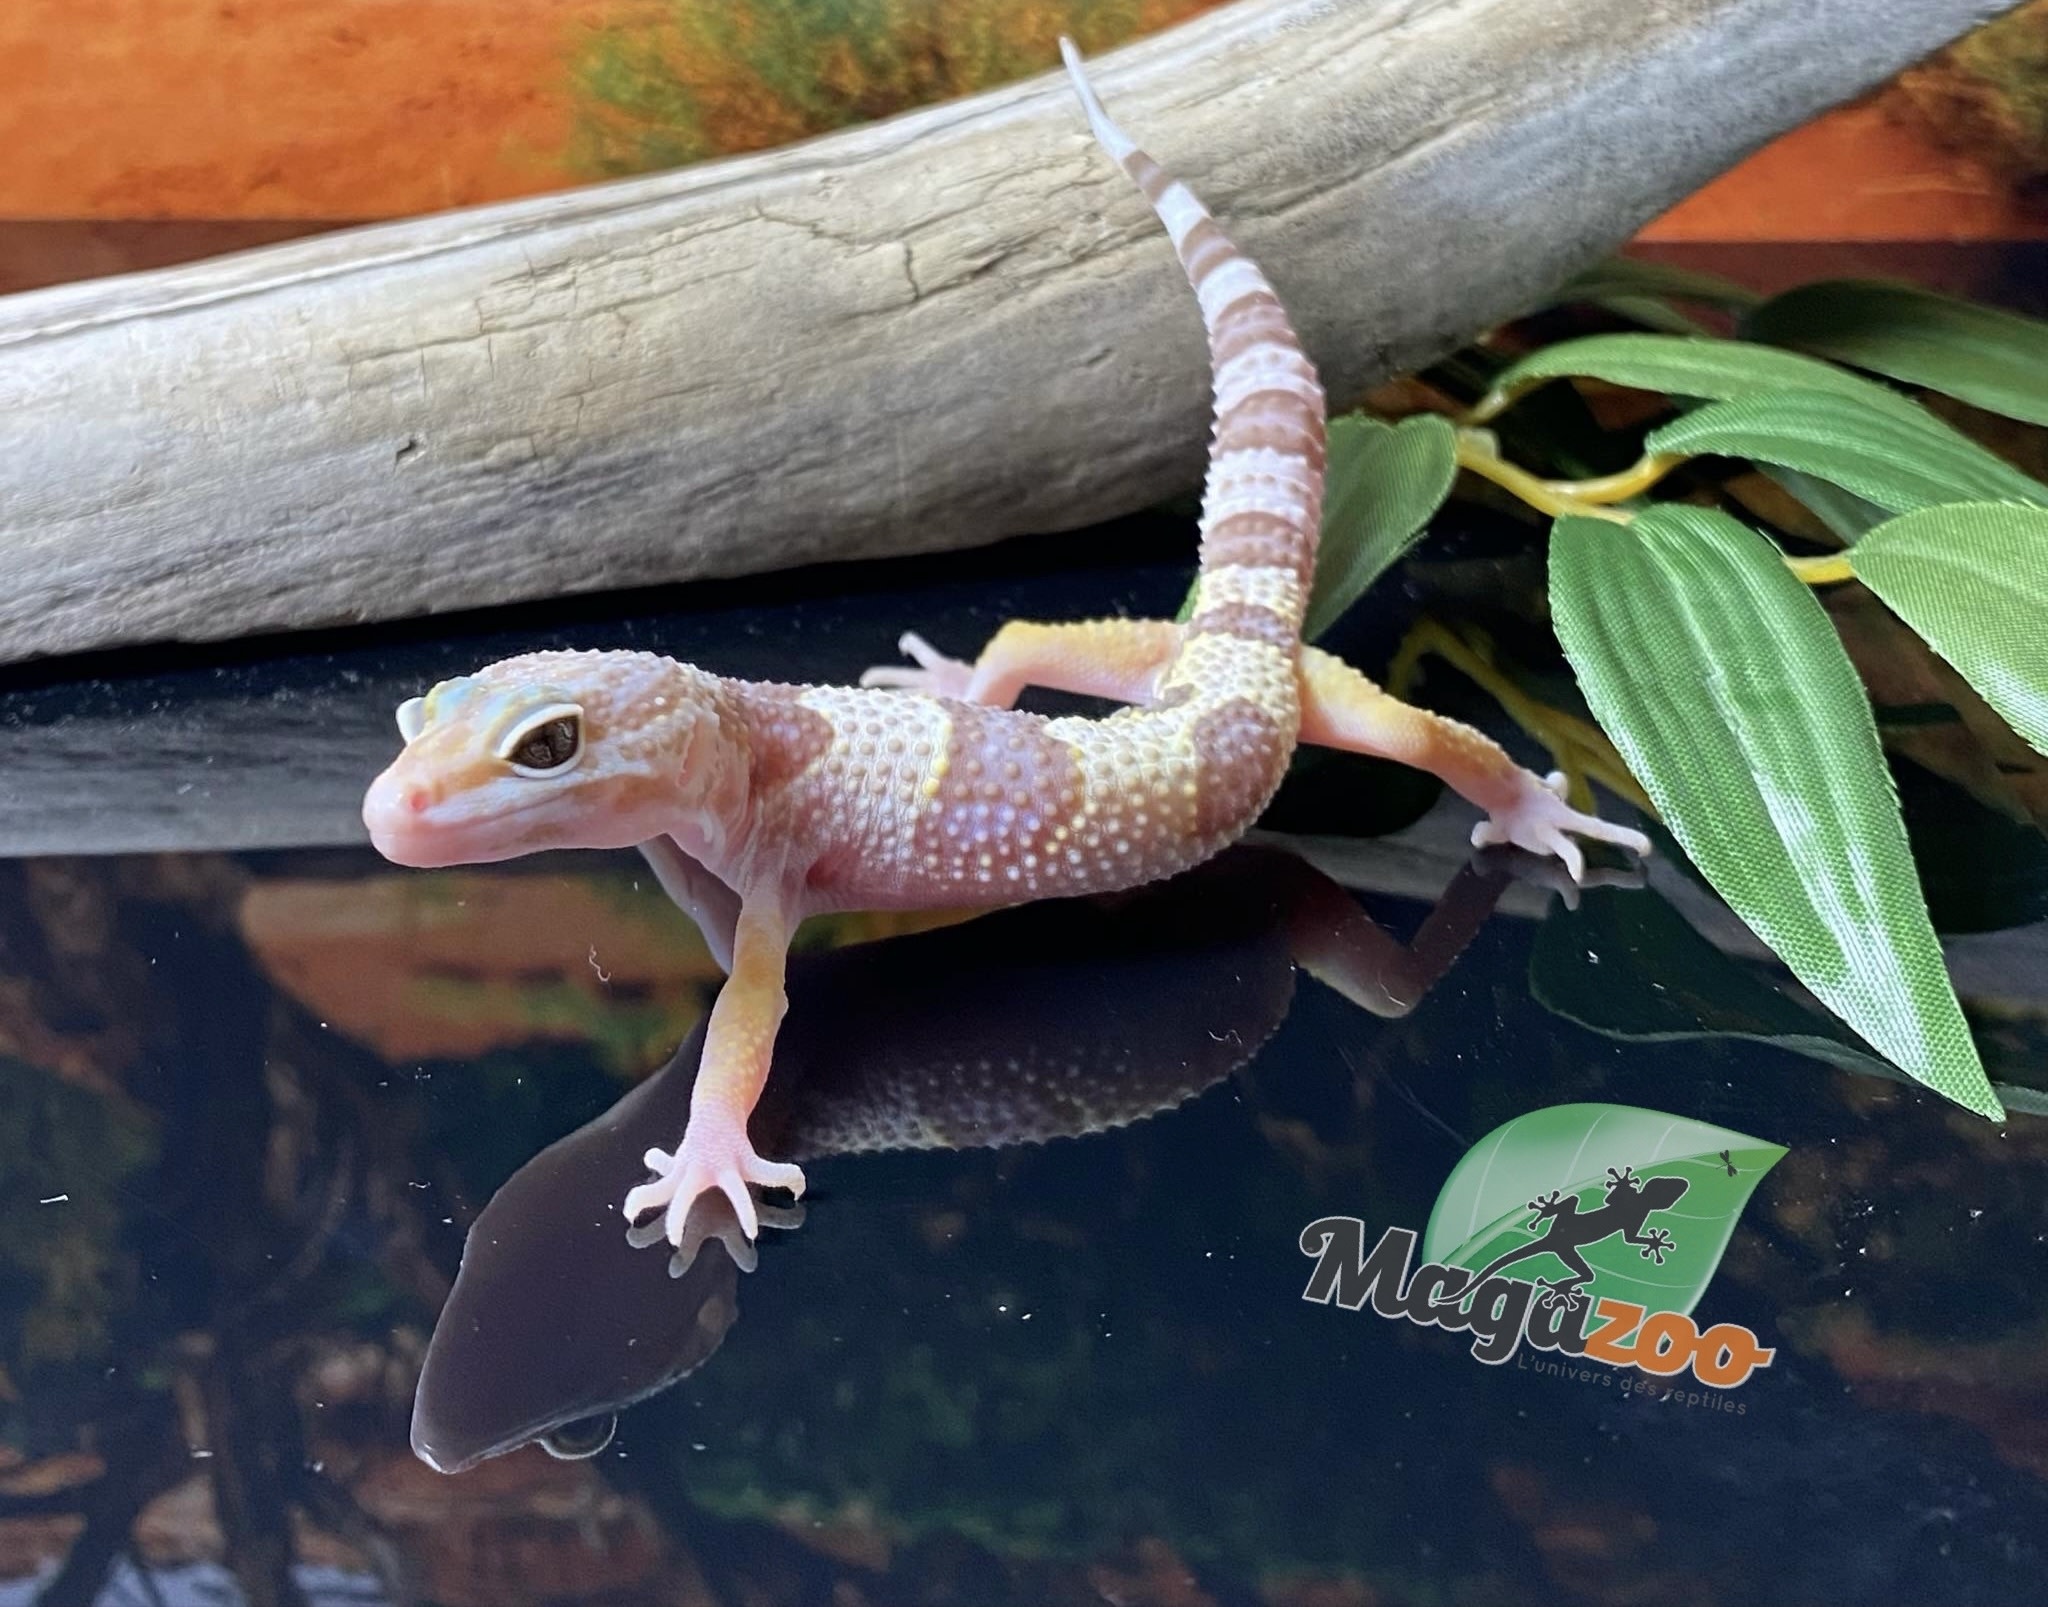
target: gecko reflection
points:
(1051, 1020)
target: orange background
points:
(142, 131)
(314, 109)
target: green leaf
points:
(1626, 965)
(1843, 512)
(1972, 579)
(1991, 359)
(1652, 313)
(1723, 685)
(1483, 1211)
(1679, 365)
(1643, 292)
(1383, 485)
(1552, 432)
(1628, 277)
(1898, 463)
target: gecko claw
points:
(708, 1158)
(935, 674)
(1540, 821)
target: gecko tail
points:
(1111, 138)
(1262, 506)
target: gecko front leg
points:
(1109, 658)
(714, 907)
(715, 1151)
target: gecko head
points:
(1663, 1192)
(550, 750)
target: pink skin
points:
(758, 805)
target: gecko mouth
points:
(423, 836)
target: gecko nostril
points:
(417, 799)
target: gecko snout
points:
(396, 811)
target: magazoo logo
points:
(1589, 1230)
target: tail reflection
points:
(1047, 1021)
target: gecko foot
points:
(711, 1156)
(1559, 1292)
(937, 674)
(1540, 821)
(711, 1217)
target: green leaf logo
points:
(1586, 1198)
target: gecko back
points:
(990, 804)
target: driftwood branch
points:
(936, 331)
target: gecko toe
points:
(734, 1188)
(935, 674)
(777, 1175)
(713, 1156)
(649, 1197)
(710, 1217)
(1539, 821)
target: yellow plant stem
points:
(1577, 747)
(1823, 571)
(1631, 482)
(1489, 407)
(1480, 452)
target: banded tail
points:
(1262, 505)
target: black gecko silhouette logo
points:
(1626, 1210)
(1587, 1230)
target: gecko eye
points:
(412, 717)
(546, 743)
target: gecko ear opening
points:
(548, 742)
(412, 717)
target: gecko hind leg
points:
(1340, 708)
(1566, 1292)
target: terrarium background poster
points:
(141, 132)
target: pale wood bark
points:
(955, 326)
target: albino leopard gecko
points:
(759, 804)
